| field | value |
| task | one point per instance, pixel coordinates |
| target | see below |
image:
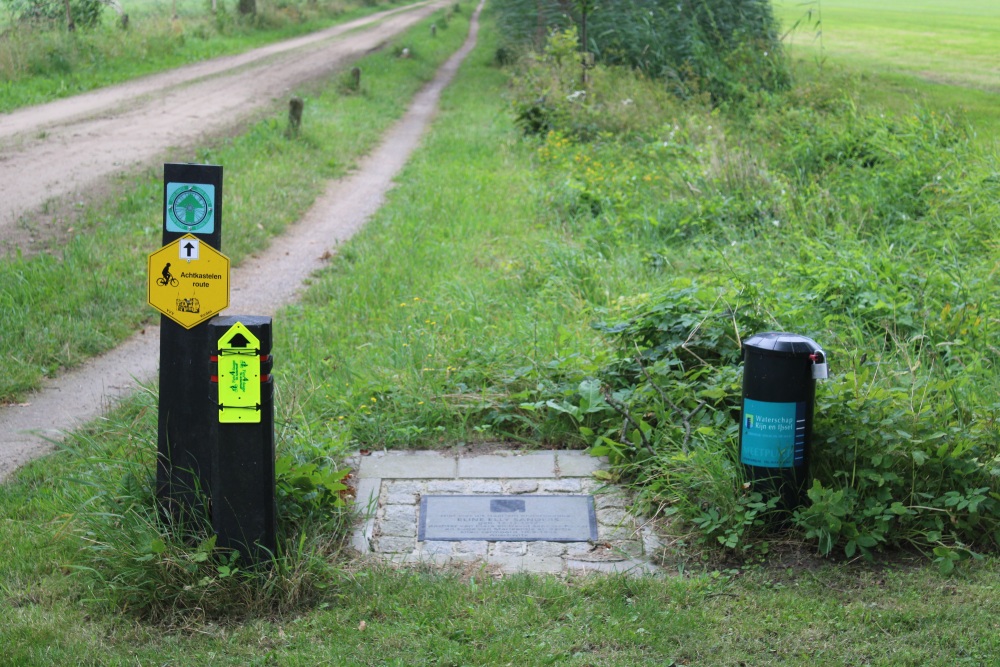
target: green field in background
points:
(944, 55)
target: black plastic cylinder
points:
(779, 394)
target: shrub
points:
(728, 49)
(85, 13)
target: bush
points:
(727, 49)
(85, 13)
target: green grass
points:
(39, 65)
(830, 616)
(470, 295)
(949, 42)
(941, 55)
(464, 233)
(54, 320)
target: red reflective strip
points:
(215, 378)
(214, 358)
(264, 378)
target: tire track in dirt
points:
(66, 147)
(35, 119)
(35, 428)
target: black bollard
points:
(186, 411)
(243, 479)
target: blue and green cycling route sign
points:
(190, 208)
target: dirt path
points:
(32, 429)
(53, 151)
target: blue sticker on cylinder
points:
(773, 435)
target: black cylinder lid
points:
(782, 343)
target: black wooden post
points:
(243, 478)
(187, 407)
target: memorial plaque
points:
(508, 518)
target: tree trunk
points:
(247, 7)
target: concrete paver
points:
(409, 465)
(523, 466)
(394, 482)
(576, 464)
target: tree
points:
(247, 7)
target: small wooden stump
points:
(434, 30)
(356, 78)
(295, 107)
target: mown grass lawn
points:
(943, 54)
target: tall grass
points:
(728, 49)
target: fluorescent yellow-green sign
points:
(239, 376)
(188, 281)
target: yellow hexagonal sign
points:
(188, 281)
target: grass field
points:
(943, 54)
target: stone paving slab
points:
(534, 464)
(390, 485)
(408, 465)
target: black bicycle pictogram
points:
(166, 278)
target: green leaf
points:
(867, 541)
(899, 509)
(591, 398)
(564, 408)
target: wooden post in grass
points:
(295, 107)
(356, 78)
(587, 58)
